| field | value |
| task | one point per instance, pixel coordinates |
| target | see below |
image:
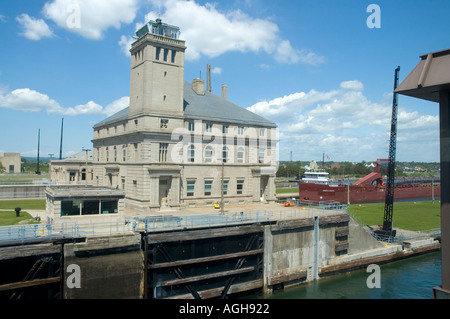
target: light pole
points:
(86, 169)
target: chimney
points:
(224, 91)
(198, 85)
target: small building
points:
(76, 169)
(64, 202)
(11, 162)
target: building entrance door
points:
(164, 188)
(263, 185)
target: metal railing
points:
(153, 224)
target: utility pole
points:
(86, 170)
(39, 141)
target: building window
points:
(166, 52)
(163, 152)
(98, 154)
(115, 154)
(191, 126)
(208, 154)
(262, 131)
(191, 153)
(225, 129)
(124, 153)
(88, 207)
(208, 188)
(173, 56)
(190, 188)
(225, 187)
(225, 154)
(239, 186)
(136, 151)
(108, 207)
(209, 127)
(240, 130)
(107, 154)
(70, 207)
(240, 155)
(158, 53)
(261, 155)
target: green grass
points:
(8, 218)
(407, 215)
(24, 204)
(287, 190)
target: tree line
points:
(295, 169)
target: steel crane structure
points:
(387, 229)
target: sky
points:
(322, 70)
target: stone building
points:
(72, 170)
(11, 162)
(177, 144)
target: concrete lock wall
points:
(294, 251)
(109, 267)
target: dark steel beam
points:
(444, 123)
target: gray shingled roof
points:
(80, 156)
(209, 107)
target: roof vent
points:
(198, 85)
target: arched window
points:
(240, 154)
(208, 154)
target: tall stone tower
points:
(157, 71)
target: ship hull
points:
(363, 194)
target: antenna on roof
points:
(38, 172)
(60, 144)
(208, 77)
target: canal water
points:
(411, 278)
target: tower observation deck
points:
(159, 28)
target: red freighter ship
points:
(315, 186)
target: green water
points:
(412, 278)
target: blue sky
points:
(312, 66)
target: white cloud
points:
(216, 70)
(116, 106)
(28, 100)
(91, 18)
(352, 85)
(34, 29)
(346, 125)
(211, 33)
(125, 44)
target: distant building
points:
(73, 170)
(11, 162)
(335, 165)
(177, 144)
